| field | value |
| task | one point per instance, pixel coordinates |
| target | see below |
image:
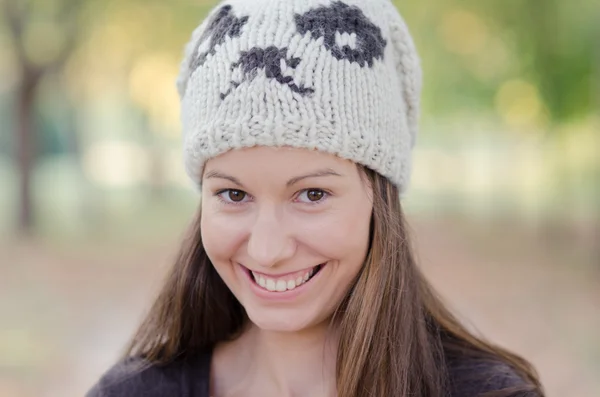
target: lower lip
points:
(280, 296)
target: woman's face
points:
(287, 230)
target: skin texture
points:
(260, 213)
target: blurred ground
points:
(67, 311)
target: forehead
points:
(270, 161)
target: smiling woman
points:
(297, 277)
(264, 228)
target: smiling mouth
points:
(285, 283)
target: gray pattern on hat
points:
(339, 18)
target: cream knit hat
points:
(341, 77)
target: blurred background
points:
(504, 203)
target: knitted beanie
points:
(341, 77)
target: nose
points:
(269, 242)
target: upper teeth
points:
(283, 284)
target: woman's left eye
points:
(312, 196)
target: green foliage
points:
(110, 67)
(550, 43)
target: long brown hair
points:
(396, 334)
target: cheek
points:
(342, 235)
(221, 236)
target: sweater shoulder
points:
(471, 377)
(135, 377)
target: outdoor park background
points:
(505, 199)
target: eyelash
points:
(218, 194)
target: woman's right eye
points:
(232, 196)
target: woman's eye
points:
(232, 195)
(312, 195)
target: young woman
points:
(297, 277)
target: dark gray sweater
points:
(189, 378)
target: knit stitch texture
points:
(342, 77)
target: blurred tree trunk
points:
(18, 14)
(596, 106)
(26, 149)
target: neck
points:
(279, 363)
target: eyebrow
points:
(316, 174)
(220, 175)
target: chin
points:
(283, 320)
